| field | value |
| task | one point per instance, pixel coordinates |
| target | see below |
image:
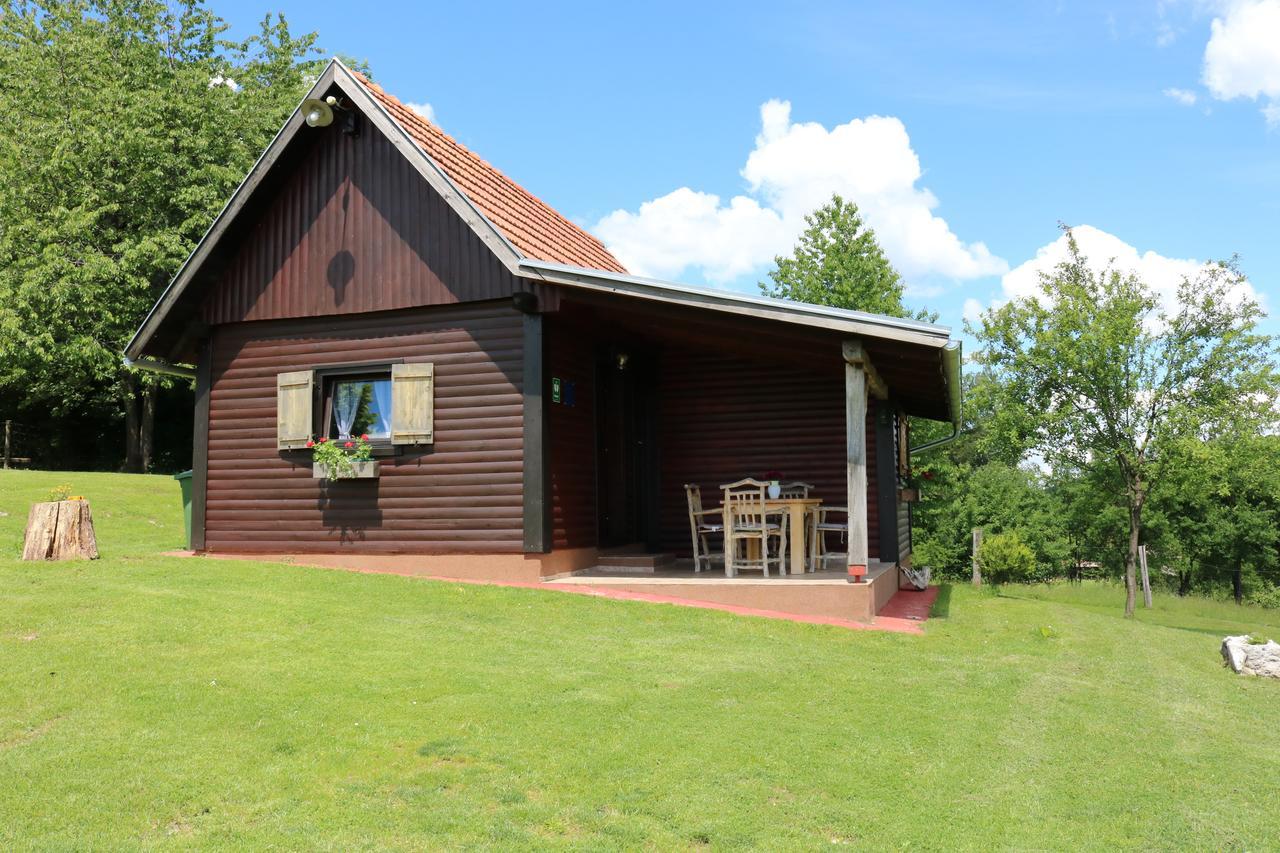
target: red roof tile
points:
(528, 222)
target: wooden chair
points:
(794, 490)
(747, 519)
(822, 524)
(701, 526)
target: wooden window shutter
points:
(294, 395)
(413, 405)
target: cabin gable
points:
(352, 228)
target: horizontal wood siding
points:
(723, 418)
(571, 358)
(461, 494)
(352, 228)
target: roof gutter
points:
(952, 357)
(854, 322)
(157, 365)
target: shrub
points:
(1269, 597)
(1005, 558)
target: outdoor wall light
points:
(319, 113)
(623, 358)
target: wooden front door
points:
(627, 468)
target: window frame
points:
(322, 401)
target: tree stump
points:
(60, 530)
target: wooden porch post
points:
(855, 419)
(537, 504)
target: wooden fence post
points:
(977, 567)
(1146, 578)
(8, 449)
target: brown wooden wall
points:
(570, 355)
(723, 418)
(461, 495)
(354, 228)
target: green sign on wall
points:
(555, 389)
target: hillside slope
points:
(146, 700)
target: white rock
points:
(1249, 659)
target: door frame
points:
(644, 472)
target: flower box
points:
(359, 471)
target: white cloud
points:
(425, 110)
(1242, 58)
(1160, 273)
(972, 310)
(1183, 96)
(794, 169)
(685, 229)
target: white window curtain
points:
(346, 402)
(382, 400)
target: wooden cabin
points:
(535, 412)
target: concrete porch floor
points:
(826, 594)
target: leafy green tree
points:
(1219, 508)
(839, 263)
(127, 126)
(1108, 378)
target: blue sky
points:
(966, 135)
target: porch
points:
(826, 593)
(638, 403)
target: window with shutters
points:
(392, 404)
(358, 404)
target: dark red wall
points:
(464, 494)
(570, 355)
(352, 227)
(722, 419)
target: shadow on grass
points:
(1213, 625)
(942, 604)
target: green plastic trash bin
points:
(184, 480)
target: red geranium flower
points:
(350, 444)
(323, 439)
(364, 436)
(310, 443)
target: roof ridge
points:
(526, 213)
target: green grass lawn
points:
(151, 701)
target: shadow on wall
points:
(349, 507)
(342, 268)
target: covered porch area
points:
(824, 593)
(642, 398)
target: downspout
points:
(951, 360)
(157, 365)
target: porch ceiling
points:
(913, 373)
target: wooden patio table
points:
(795, 509)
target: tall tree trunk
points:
(132, 424)
(147, 427)
(1237, 580)
(1131, 557)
